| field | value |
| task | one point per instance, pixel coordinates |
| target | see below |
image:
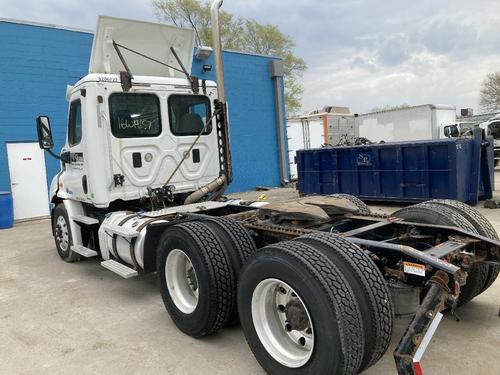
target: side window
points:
(75, 123)
(188, 114)
(134, 115)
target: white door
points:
(28, 180)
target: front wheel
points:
(62, 234)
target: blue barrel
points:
(6, 210)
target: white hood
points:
(150, 39)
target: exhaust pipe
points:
(217, 46)
(218, 186)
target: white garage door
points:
(28, 180)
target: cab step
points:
(84, 251)
(87, 220)
(119, 268)
(120, 231)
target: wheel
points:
(369, 287)
(482, 226)
(238, 244)
(363, 208)
(62, 234)
(298, 312)
(432, 213)
(197, 281)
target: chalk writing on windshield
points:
(142, 124)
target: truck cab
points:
(123, 143)
(492, 128)
(137, 138)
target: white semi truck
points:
(492, 128)
(315, 281)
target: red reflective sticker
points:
(417, 368)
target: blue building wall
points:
(37, 63)
(252, 118)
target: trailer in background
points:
(428, 121)
(326, 127)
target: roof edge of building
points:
(46, 25)
(87, 31)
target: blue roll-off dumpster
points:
(414, 171)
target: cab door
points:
(74, 177)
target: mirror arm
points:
(54, 155)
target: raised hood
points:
(150, 39)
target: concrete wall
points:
(37, 62)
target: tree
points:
(489, 97)
(238, 34)
(389, 107)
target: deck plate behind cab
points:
(316, 208)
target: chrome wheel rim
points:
(62, 233)
(283, 323)
(182, 282)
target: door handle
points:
(14, 183)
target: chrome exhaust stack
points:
(218, 186)
(217, 46)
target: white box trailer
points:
(303, 133)
(315, 130)
(428, 121)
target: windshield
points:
(134, 115)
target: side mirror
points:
(447, 132)
(44, 133)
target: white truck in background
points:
(428, 121)
(492, 128)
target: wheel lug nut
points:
(302, 341)
(281, 308)
(288, 327)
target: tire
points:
(432, 213)
(482, 226)
(238, 244)
(327, 298)
(363, 208)
(242, 241)
(62, 234)
(202, 304)
(369, 287)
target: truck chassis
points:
(438, 264)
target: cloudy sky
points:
(360, 53)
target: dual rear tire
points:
(457, 214)
(198, 264)
(316, 304)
